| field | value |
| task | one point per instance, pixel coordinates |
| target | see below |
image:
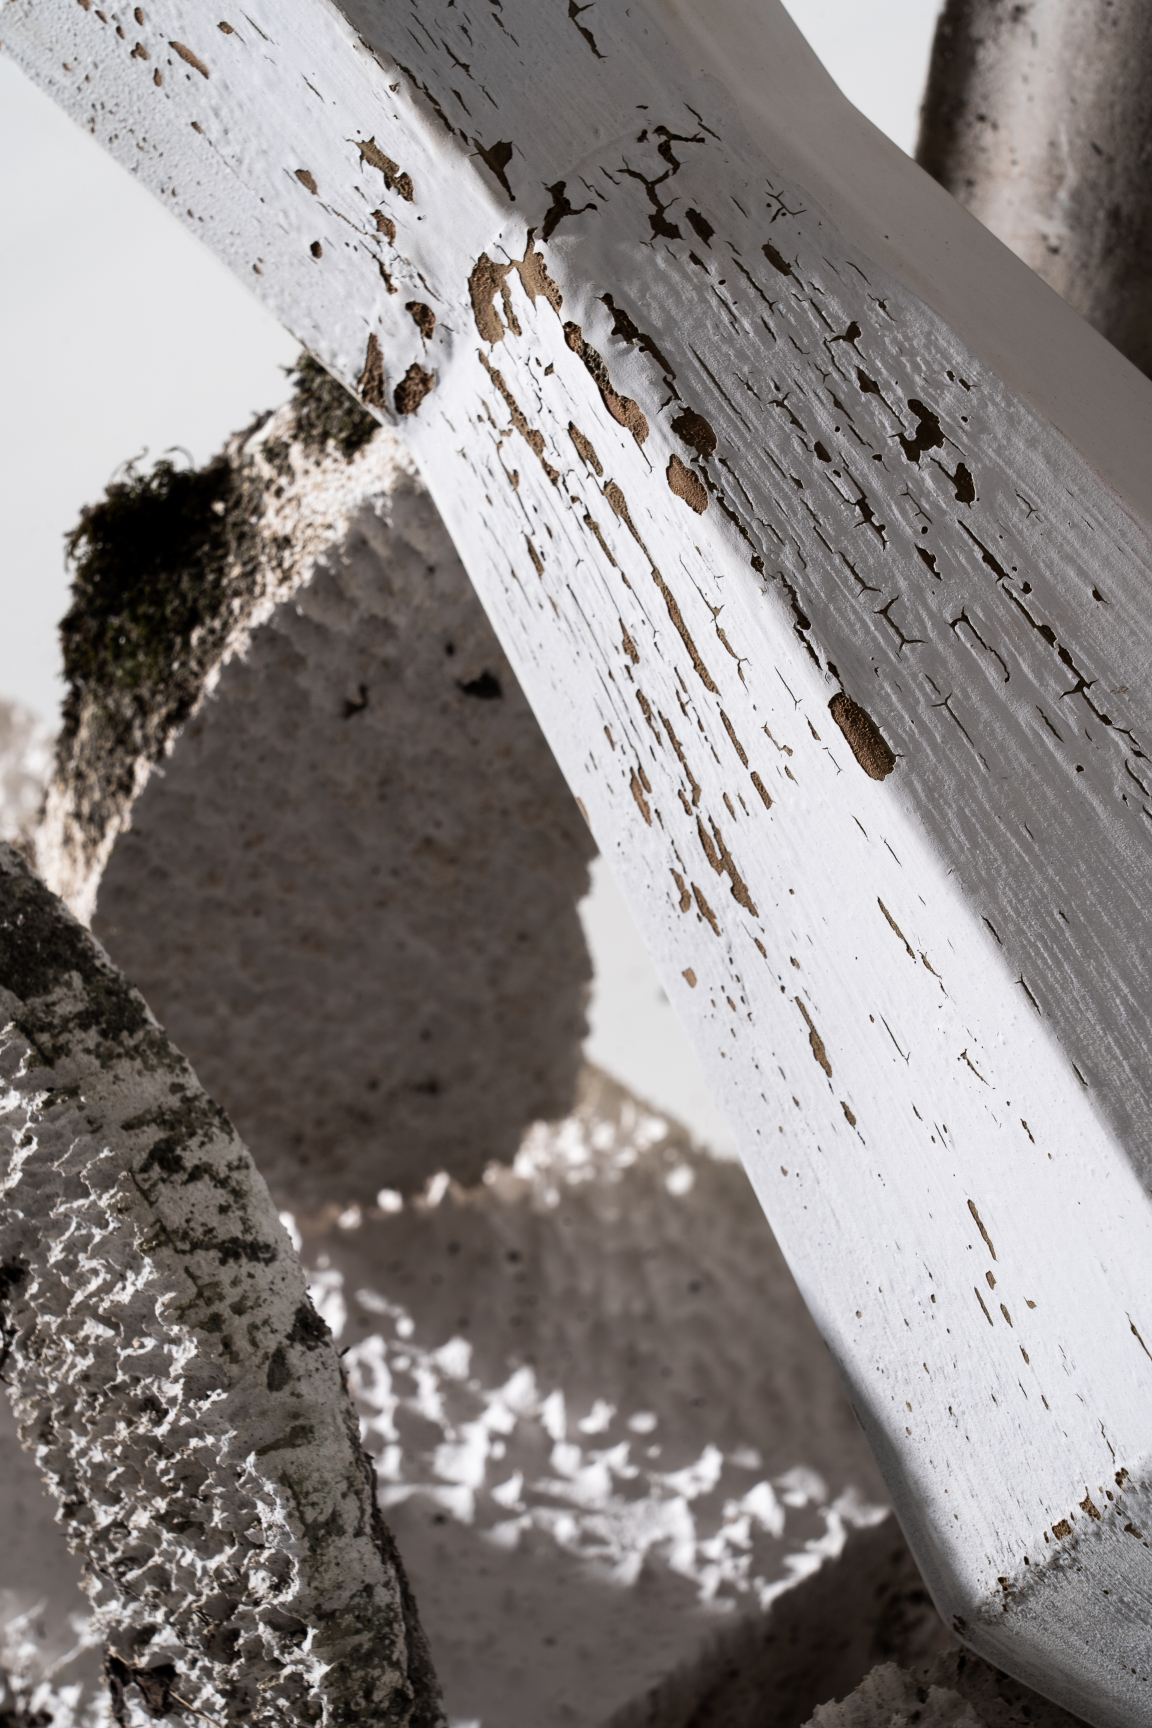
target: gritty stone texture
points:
(335, 845)
(1037, 116)
(616, 1454)
(181, 1396)
(957, 1690)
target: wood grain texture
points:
(867, 736)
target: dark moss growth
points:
(196, 1120)
(164, 565)
(41, 946)
(326, 413)
(148, 562)
(229, 1250)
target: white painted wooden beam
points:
(817, 530)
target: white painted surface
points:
(79, 406)
(858, 967)
(149, 288)
(634, 1032)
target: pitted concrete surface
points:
(628, 1484)
(50, 1652)
(616, 1457)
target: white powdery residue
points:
(553, 1416)
(698, 1478)
(539, 1462)
(594, 1503)
(465, 1460)
(435, 1191)
(327, 1294)
(454, 1358)
(289, 1224)
(801, 1486)
(507, 1494)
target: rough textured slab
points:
(334, 845)
(774, 471)
(179, 1391)
(607, 1434)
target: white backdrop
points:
(120, 337)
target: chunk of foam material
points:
(181, 1396)
(330, 845)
